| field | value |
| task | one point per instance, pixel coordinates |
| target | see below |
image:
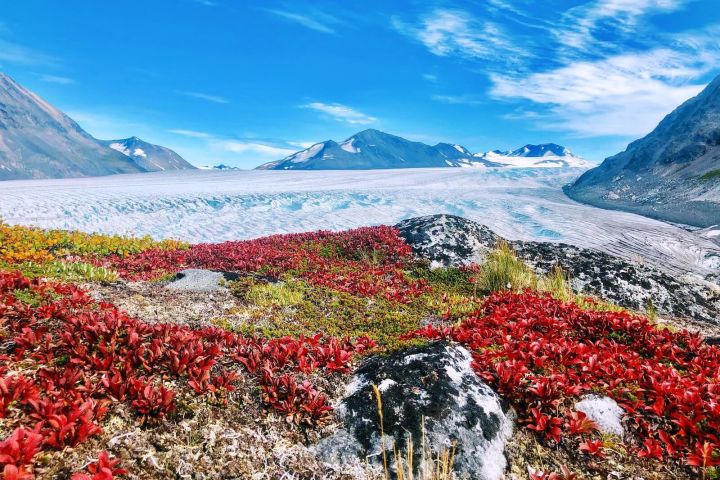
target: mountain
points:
(672, 174)
(39, 141)
(531, 156)
(149, 157)
(221, 167)
(373, 149)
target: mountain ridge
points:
(374, 149)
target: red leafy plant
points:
(544, 354)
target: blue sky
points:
(243, 82)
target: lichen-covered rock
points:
(447, 240)
(604, 411)
(432, 385)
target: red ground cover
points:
(69, 358)
(543, 354)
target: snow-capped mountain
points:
(536, 156)
(373, 149)
(39, 141)
(221, 167)
(149, 157)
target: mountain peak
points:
(148, 156)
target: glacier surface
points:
(213, 206)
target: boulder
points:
(430, 396)
(447, 240)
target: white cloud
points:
(318, 21)
(582, 24)
(620, 95)
(57, 79)
(466, 99)
(430, 77)
(446, 32)
(302, 145)
(236, 146)
(341, 113)
(190, 133)
(203, 96)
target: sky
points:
(246, 82)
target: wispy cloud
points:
(206, 3)
(251, 146)
(318, 21)
(446, 32)
(302, 145)
(585, 25)
(19, 54)
(621, 95)
(430, 77)
(203, 96)
(57, 79)
(466, 99)
(341, 113)
(261, 149)
(190, 133)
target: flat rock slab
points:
(432, 386)
(196, 280)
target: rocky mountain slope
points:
(673, 173)
(149, 157)
(39, 141)
(372, 149)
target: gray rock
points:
(434, 384)
(447, 240)
(604, 411)
(196, 280)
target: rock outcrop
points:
(447, 240)
(432, 386)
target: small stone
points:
(604, 411)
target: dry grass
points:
(435, 463)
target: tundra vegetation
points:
(89, 390)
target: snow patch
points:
(139, 152)
(349, 146)
(120, 148)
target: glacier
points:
(214, 206)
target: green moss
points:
(293, 307)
